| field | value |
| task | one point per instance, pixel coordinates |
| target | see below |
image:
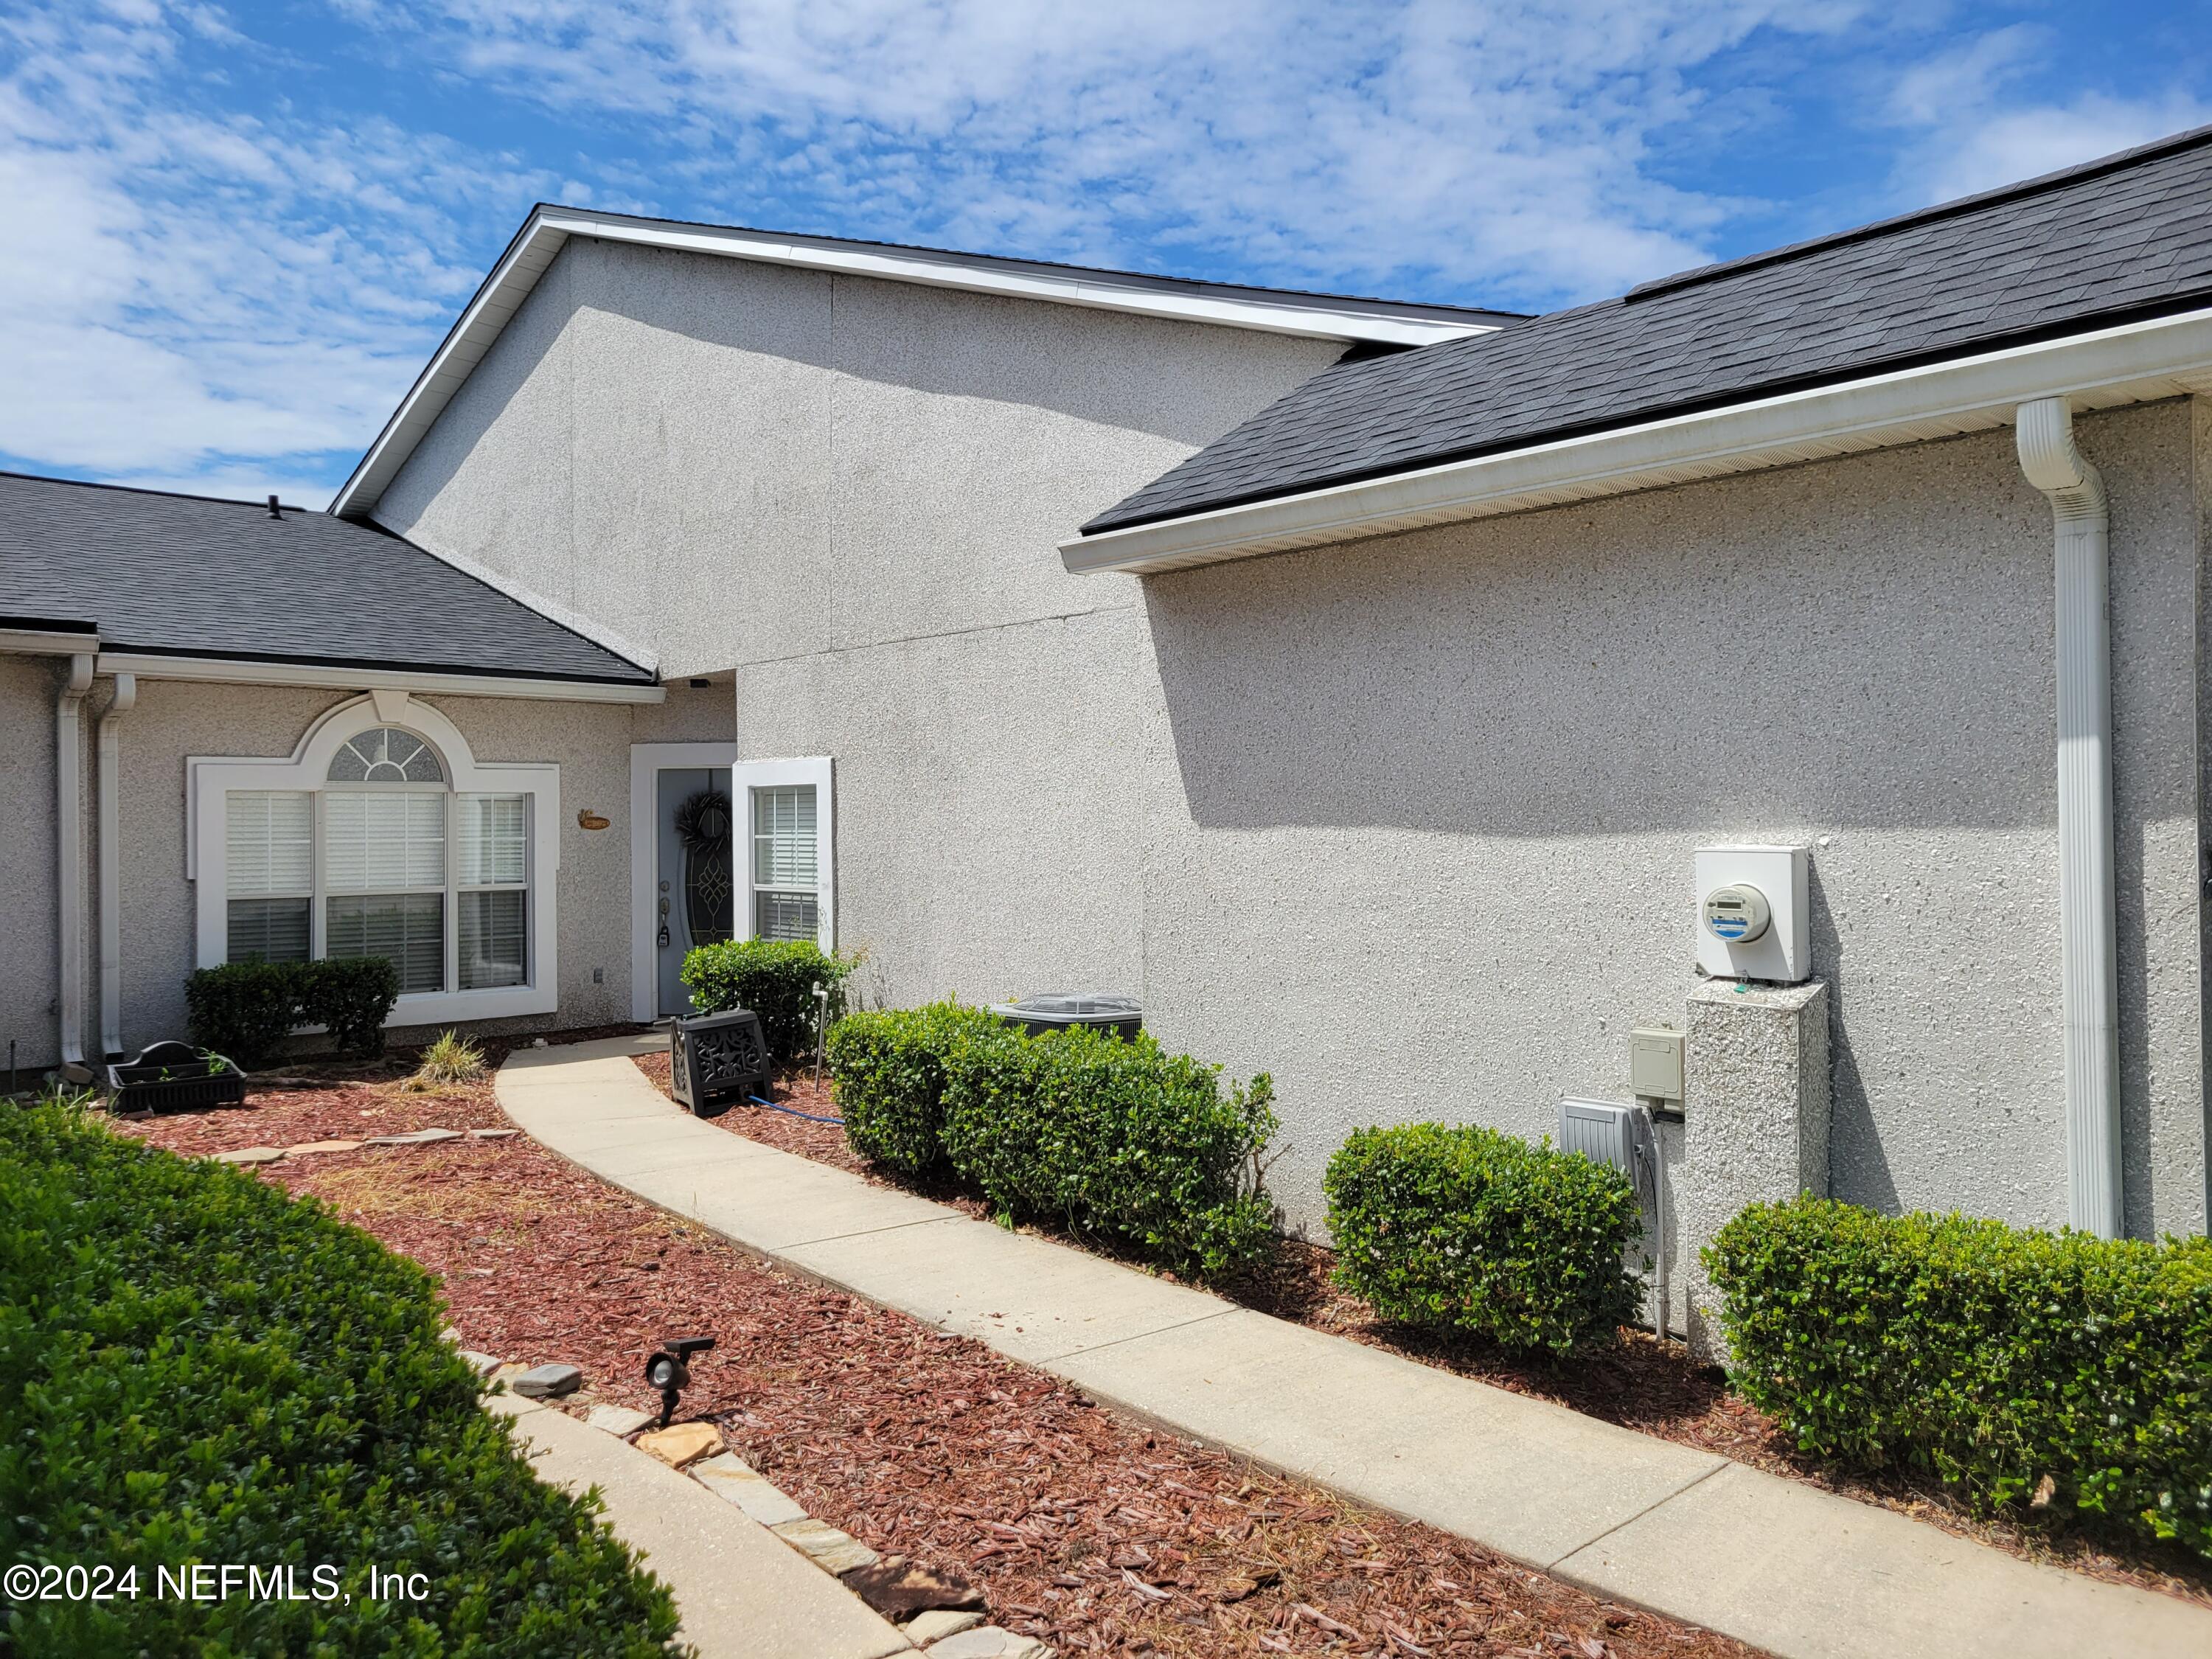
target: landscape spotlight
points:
(670, 1370)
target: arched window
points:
(390, 841)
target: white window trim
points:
(208, 779)
(646, 763)
(749, 775)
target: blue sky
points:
(235, 233)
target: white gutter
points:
(68, 850)
(2089, 973)
(318, 676)
(1315, 317)
(111, 865)
(2134, 363)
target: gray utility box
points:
(715, 1060)
(1056, 1010)
(1607, 1134)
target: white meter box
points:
(1754, 920)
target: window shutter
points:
(383, 841)
(270, 842)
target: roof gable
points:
(1354, 320)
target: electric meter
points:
(1737, 914)
(1753, 915)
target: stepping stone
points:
(682, 1442)
(937, 1623)
(989, 1642)
(731, 1478)
(492, 1134)
(832, 1550)
(895, 1587)
(419, 1138)
(484, 1364)
(616, 1419)
(324, 1146)
(547, 1382)
(250, 1155)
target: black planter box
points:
(175, 1077)
(715, 1061)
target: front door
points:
(694, 883)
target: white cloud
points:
(183, 289)
(1432, 141)
(1985, 116)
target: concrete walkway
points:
(743, 1592)
(1782, 1566)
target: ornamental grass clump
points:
(450, 1061)
(2056, 1373)
(1470, 1230)
(195, 1367)
(887, 1069)
(1115, 1138)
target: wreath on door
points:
(703, 830)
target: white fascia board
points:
(548, 230)
(2136, 362)
(324, 677)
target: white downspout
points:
(2089, 973)
(69, 851)
(111, 865)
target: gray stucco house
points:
(1886, 547)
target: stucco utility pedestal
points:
(1755, 1109)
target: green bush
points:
(1471, 1230)
(1115, 1138)
(243, 1010)
(352, 996)
(889, 1072)
(773, 977)
(1998, 1357)
(194, 1368)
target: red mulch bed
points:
(1087, 1531)
(1639, 1384)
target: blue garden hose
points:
(809, 1116)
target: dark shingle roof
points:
(189, 574)
(2126, 236)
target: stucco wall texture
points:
(32, 984)
(1408, 823)
(1439, 795)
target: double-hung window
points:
(384, 850)
(787, 822)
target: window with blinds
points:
(787, 884)
(384, 879)
(270, 873)
(494, 899)
(384, 859)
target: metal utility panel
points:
(1654, 1063)
(1754, 918)
(1601, 1131)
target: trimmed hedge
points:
(1115, 1138)
(1998, 1357)
(1470, 1230)
(243, 1010)
(773, 977)
(194, 1368)
(888, 1069)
